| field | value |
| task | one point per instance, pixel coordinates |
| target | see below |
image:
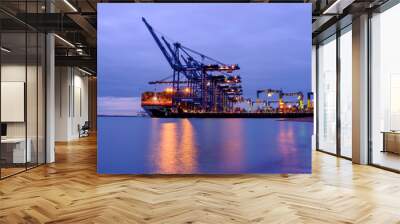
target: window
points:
(385, 89)
(346, 92)
(22, 101)
(327, 95)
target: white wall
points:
(13, 101)
(12, 73)
(62, 82)
(17, 73)
(80, 110)
(71, 102)
(33, 126)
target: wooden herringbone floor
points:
(70, 191)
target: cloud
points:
(126, 106)
(270, 42)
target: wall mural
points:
(204, 88)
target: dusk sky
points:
(270, 42)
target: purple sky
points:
(270, 42)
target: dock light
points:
(155, 98)
(187, 90)
(269, 94)
(169, 90)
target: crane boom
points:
(207, 86)
(166, 82)
(269, 91)
(160, 45)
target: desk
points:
(391, 141)
(17, 150)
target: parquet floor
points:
(70, 191)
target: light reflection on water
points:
(287, 147)
(232, 151)
(145, 145)
(177, 150)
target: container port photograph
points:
(204, 88)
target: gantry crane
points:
(206, 87)
(300, 98)
(270, 93)
(282, 104)
(310, 105)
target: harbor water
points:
(143, 145)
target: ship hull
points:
(157, 111)
(166, 113)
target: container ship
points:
(160, 105)
(203, 87)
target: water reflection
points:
(232, 149)
(188, 153)
(286, 142)
(167, 155)
(145, 145)
(176, 151)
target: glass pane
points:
(31, 86)
(327, 96)
(346, 93)
(385, 86)
(22, 88)
(41, 98)
(31, 97)
(13, 88)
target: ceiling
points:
(75, 22)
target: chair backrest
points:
(86, 124)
